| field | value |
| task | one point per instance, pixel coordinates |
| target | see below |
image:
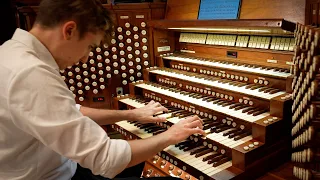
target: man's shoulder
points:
(17, 58)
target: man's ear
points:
(69, 30)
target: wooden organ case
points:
(236, 75)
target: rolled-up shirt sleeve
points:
(42, 106)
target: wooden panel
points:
(178, 10)
(245, 55)
(284, 172)
(292, 10)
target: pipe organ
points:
(254, 83)
(237, 77)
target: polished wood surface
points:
(182, 10)
(240, 23)
(292, 10)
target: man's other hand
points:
(147, 114)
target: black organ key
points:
(199, 149)
(205, 151)
(240, 136)
(215, 154)
(221, 161)
(232, 130)
(215, 159)
(232, 135)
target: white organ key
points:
(132, 103)
(133, 129)
(219, 85)
(229, 66)
(208, 105)
(196, 162)
(217, 137)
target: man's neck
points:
(49, 38)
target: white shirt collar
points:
(33, 43)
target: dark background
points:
(7, 19)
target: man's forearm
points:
(104, 117)
(146, 148)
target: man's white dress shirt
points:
(42, 133)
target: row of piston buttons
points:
(171, 166)
(135, 36)
(261, 81)
(252, 145)
(100, 74)
(174, 66)
(219, 95)
(87, 86)
(100, 68)
(246, 101)
(122, 53)
(130, 63)
(95, 90)
(121, 45)
(193, 110)
(142, 24)
(167, 81)
(222, 74)
(210, 116)
(270, 120)
(128, 41)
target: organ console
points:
(238, 77)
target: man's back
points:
(21, 155)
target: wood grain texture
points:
(182, 10)
(292, 10)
